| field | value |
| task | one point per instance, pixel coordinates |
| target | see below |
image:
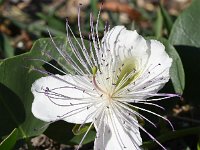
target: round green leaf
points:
(186, 30)
(16, 78)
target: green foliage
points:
(186, 29)
(186, 35)
(89, 138)
(5, 46)
(198, 145)
(78, 129)
(16, 77)
(9, 142)
(166, 18)
(158, 24)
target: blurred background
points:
(22, 22)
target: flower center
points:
(108, 97)
(119, 77)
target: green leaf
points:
(89, 138)
(93, 4)
(16, 78)
(167, 18)
(9, 142)
(198, 145)
(186, 29)
(53, 22)
(177, 73)
(159, 24)
(5, 46)
(78, 129)
(10, 116)
(60, 131)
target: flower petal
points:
(115, 133)
(156, 72)
(55, 99)
(126, 43)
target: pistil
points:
(96, 85)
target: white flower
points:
(110, 77)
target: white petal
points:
(49, 110)
(126, 43)
(114, 134)
(156, 72)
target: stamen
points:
(130, 111)
(124, 124)
(133, 123)
(35, 59)
(151, 112)
(74, 49)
